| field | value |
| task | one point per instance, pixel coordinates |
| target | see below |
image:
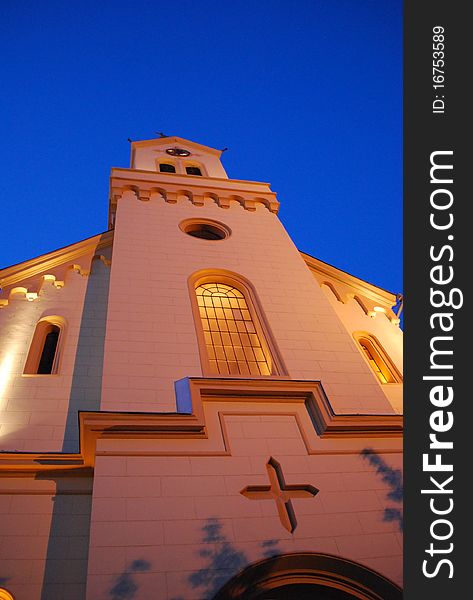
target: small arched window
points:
(5, 594)
(46, 361)
(167, 168)
(379, 361)
(193, 170)
(43, 356)
(232, 334)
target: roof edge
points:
(19, 271)
(347, 277)
(175, 140)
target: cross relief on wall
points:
(281, 493)
(199, 428)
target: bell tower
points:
(229, 393)
(178, 217)
(183, 156)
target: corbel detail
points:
(107, 262)
(198, 200)
(223, 202)
(143, 195)
(78, 269)
(196, 190)
(171, 197)
(249, 204)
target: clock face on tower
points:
(178, 152)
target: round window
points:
(205, 230)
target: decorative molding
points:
(19, 292)
(144, 195)
(197, 190)
(47, 481)
(106, 261)
(47, 262)
(52, 279)
(305, 401)
(326, 422)
(320, 570)
(78, 269)
(19, 464)
(40, 269)
(346, 287)
(5, 594)
(198, 200)
(223, 202)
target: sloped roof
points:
(44, 262)
(173, 140)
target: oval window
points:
(205, 230)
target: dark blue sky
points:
(306, 95)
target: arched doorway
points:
(304, 591)
(308, 576)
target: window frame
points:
(193, 163)
(265, 337)
(37, 345)
(199, 174)
(169, 164)
(188, 224)
(376, 349)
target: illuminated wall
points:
(39, 412)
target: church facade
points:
(192, 408)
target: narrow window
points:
(48, 354)
(193, 171)
(378, 360)
(167, 168)
(234, 341)
(43, 355)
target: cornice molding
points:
(380, 294)
(170, 186)
(45, 264)
(346, 286)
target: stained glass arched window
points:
(234, 340)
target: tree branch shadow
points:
(125, 587)
(393, 479)
(224, 560)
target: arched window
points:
(379, 361)
(232, 334)
(43, 356)
(167, 168)
(48, 353)
(5, 594)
